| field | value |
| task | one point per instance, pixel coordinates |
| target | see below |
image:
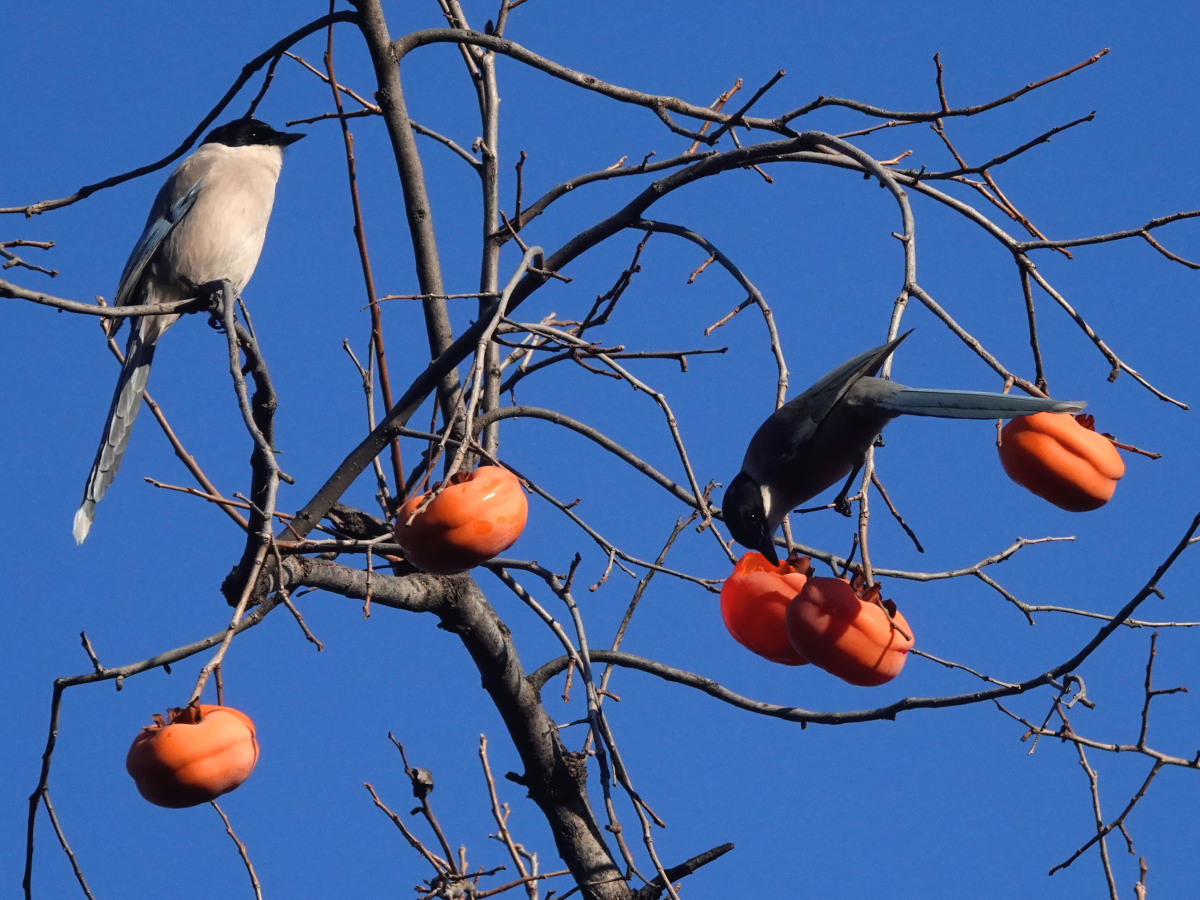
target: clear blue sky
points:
(938, 803)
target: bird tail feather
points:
(127, 400)
(972, 404)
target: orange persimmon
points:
(1062, 459)
(476, 516)
(843, 630)
(199, 753)
(753, 601)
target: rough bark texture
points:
(554, 777)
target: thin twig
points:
(241, 848)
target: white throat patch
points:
(767, 501)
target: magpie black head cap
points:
(247, 132)
(746, 518)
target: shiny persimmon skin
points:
(182, 764)
(477, 516)
(753, 601)
(845, 635)
(1061, 460)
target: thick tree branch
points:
(554, 777)
(390, 96)
(360, 457)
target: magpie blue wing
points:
(796, 422)
(155, 233)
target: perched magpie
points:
(207, 225)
